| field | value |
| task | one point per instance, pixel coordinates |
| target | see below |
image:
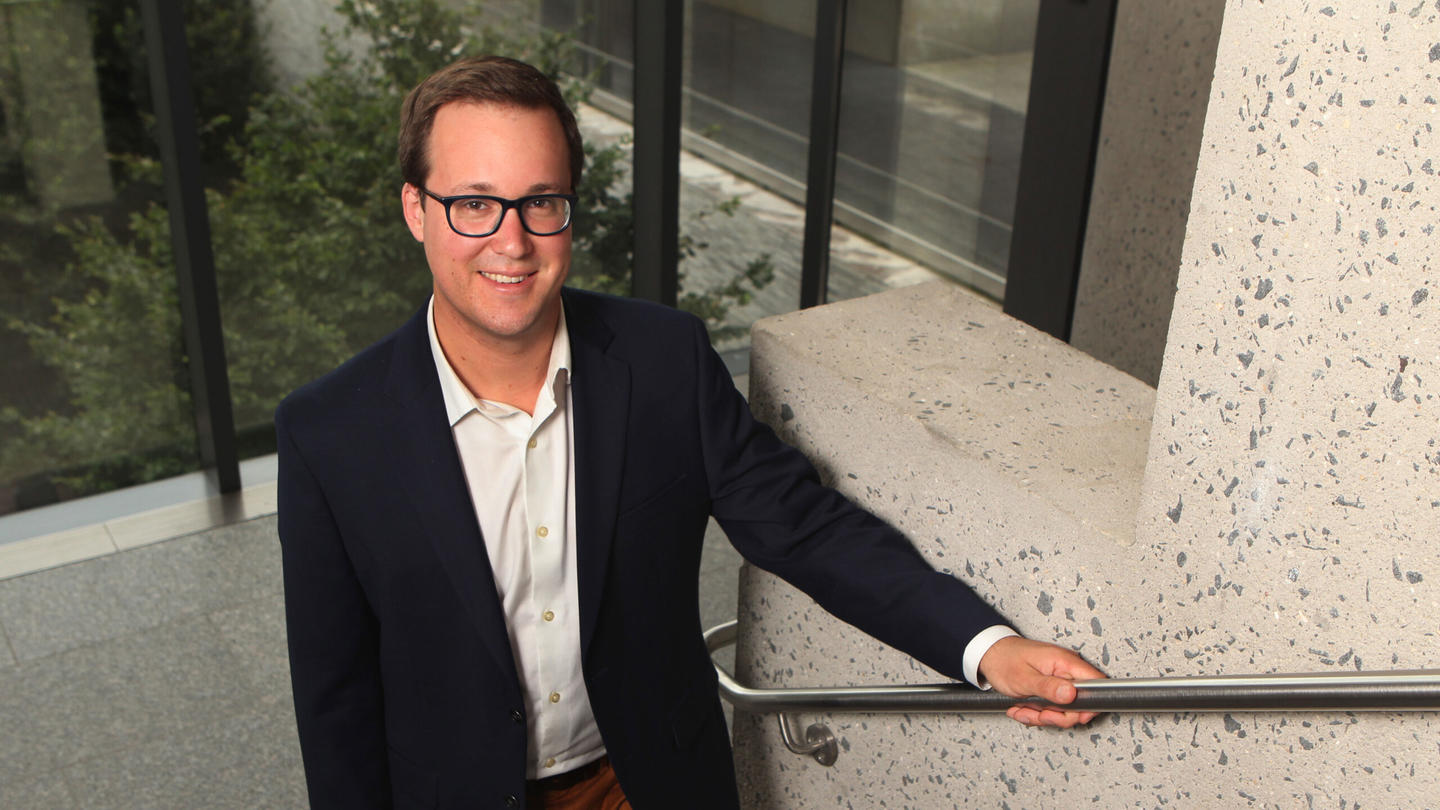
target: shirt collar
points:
(459, 400)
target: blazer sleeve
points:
(333, 638)
(769, 500)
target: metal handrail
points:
(1409, 690)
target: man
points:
(491, 520)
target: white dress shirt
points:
(521, 476)
(519, 470)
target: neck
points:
(499, 369)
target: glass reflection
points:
(93, 389)
(931, 122)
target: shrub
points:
(313, 260)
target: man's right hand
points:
(1022, 668)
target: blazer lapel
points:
(601, 393)
(428, 467)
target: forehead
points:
(500, 147)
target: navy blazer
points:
(406, 693)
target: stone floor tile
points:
(52, 611)
(99, 698)
(181, 519)
(47, 791)
(7, 654)
(52, 550)
(246, 761)
(255, 633)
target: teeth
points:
(502, 279)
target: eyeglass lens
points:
(480, 216)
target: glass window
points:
(932, 119)
(932, 116)
(740, 241)
(745, 120)
(313, 258)
(93, 387)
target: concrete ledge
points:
(1016, 463)
(132, 531)
(1011, 459)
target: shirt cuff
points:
(976, 649)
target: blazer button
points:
(511, 801)
(517, 716)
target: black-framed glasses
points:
(481, 214)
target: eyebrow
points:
(538, 188)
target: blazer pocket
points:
(655, 497)
(411, 785)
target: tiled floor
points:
(133, 530)
(156, 676)
(150, 677)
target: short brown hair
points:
(480, 80)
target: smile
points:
(496, 277)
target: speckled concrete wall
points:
(1297, 462)
(1161, 61)
(1014, 461)
(1292, 476)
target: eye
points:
(473, 204)
(543, 204)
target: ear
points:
(412, 204)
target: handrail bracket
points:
(819, 743)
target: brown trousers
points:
(599, 790)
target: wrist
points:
(979, 647)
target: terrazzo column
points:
(1293, 485)
(1161, 61)
(1284, 518)
(1013, 461)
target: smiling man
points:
(491, 520)
(497, 275)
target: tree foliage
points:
(312, 258)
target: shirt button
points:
(554, 697)
(543, 532)
(550, 763)
(531, 444)
(548, 615)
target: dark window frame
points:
(190, 240)
(1057, 161)
(1057, 165)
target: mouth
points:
(503, 279)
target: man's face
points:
(507, 152)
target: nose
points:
(511, 239)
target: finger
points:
(1049, 688)
(1058, 690)
(1036, 716)
(1026, 715)
(1076, 668)
(1032, 681)
(1061, 719)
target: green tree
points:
(223, 87)
(313, 260)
